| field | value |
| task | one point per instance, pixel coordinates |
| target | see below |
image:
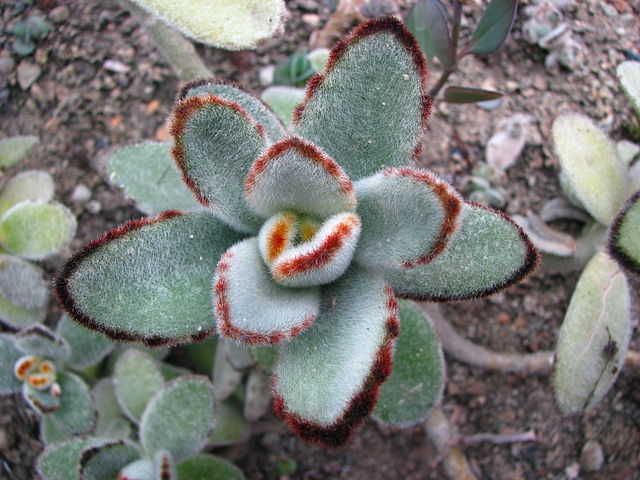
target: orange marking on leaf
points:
(23, 366)
(278, 238)
(321, 255)
(37, 380)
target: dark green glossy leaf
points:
(494, 27)
(469, 95)
(429, 24)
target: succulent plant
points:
(236, 25)
(308, 237)
(596, 330)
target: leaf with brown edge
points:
(326, 380)
(154, 278)
(408, 218)
(233, 92)
(104, 462)
(296, 175)
(369, 108)
(624, 236)
(250, 307)
(488, 253)
(215, 143)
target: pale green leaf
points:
(417, 380)
(251, 104)
(258, 396)
(137, 378)
(367, 110)
(152, 283)
(14, 149)
(487, 254)
(283, 100)
(251, 307)
(16, 317)
(31, 185)
(594, 336)
(232, 427)
(208, 467)
(111, 422)
(36, 230)
(87, 346)
(215, 144)
(230, 24)
(147, 174)
(239, 355)
(9, 355)
(60, 461)
(179, 418)
(138, 470)
(624, 239)
(23, 283)
(42, 401)
(629, 76)
(40, 341)
(104, 462)
(225, 378)
(318, 58)
(408, 216)
(590, 165)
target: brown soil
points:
(80, 109)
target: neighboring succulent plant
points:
(28, 33)
(596, 331)
(40, 364)
(291, 252)
(233, 25)
(32, 227)
(173, 420)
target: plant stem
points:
(455, 36)
(177, 50)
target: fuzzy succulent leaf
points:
(225, 378)
(35, 230)
(136, 378)
(265, 357)
(179, 418)
(59, 461)
(408, 217)
(327, 379)
(87, 346)
(22, 283)
(210, 467)
(283, 100)
(42, 401)
(494, 27)
(164, 467)
(14, 316)
(629, 76)
(232, 427)
(229, 24)
(14, 149)
(138, 470)
(147, 174)
(251, 307)
(594, 336)
(295, 175)
(76, 414)
(257, 397)
(39, 340)
(111, 422)
(590, 165)
(457, 94)
(624, 237)
(416, 383)
(104, 462)
(31, 185)
(230, 92)
(238, 354)
(429, 23)
(9, 355)
(154, 278)
(368, 109)
(488, 253)
(216, 141)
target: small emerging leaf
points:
(283, 101)
(258, 396)
(494, 27)
(417, 380)
(624, 238)
(209, 467)
(594, 337)
(629, 76)
(179, 418)
(111, 422)
(14, 149)
(225, 378)
(32, 186)
(42, 401)
(147, 173)
(36, 230)
(137, 378)
(469, 95)
(429, 23)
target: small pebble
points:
(572, 471)
(6, 65)
(28, 73)
(311, 19)
(592, 456)
(81, 194)
(266, 75)
(93, 206)
(59, 14)
(115, 66)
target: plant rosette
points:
(308, 238)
